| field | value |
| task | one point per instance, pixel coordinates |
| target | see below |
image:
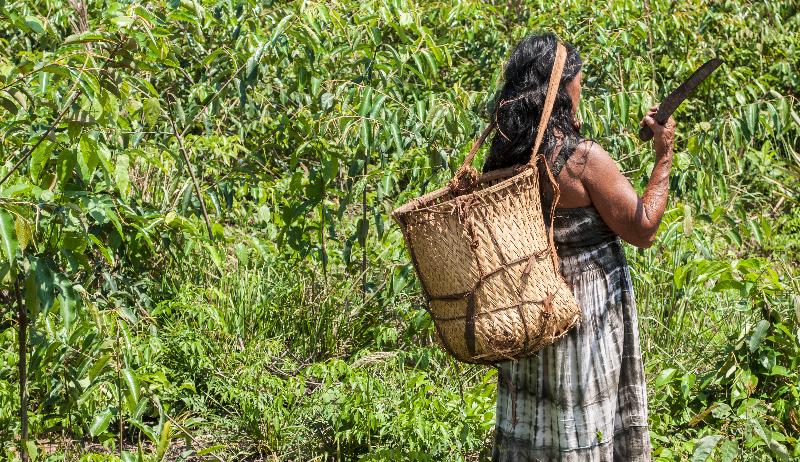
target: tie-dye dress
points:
(582, 398)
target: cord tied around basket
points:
(464, 183)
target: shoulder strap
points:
(561, 160)
(552, 89)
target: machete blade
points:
(671, 102)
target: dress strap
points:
(561, 160)
(555, 167)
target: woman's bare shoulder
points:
(589, 156)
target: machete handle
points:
(645, 133)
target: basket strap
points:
(456, 183)
(552, 91)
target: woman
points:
(582, 398)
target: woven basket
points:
(485, 260)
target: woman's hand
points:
(663, 135)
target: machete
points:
(671, 102)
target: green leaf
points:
(363, 231)
(45, 283)
(366, 134)
(758, 334)
(132, 384)
(32, 450)
(664, 377)
(163, 441)
(99, 366)
(87, 157)
(8, 104)
(24, 232)
(121, 175)
(100, 422)
(86, 37)
(32, 302)
(704, 448)
(122, 22)
(151, 110)
(752, 118)
(35, 24)
(8, 238)
(39, 158)
(104, 156)
(728, 451)
(209, 450)
(68, 302)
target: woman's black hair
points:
(518, 104)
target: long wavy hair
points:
(519, 102)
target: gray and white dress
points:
(582, 398)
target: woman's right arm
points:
(635, 219)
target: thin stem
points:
(364, 246)
(22, 368)
(185, 155)
(120, 427)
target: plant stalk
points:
(185, 156)
(22, 368)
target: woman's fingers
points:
(650, 113)
(649, 121)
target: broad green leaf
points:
(39, 158)
(88, 158)
(752, 118)
(363, 231)
(100, 422)
(45, 283)
(758, 334)
(8, 104)
(366, 134)
(35, 24)
(24, 232)
(728, 451)
(704, 448)
(8, 238)
(98, 367)
(664, 377)
(86, 37)
(164, 440)
(68, 302)
(65, 164)
(132, 385)
(151, 111)
(32, 302)
(32, 450)
(209, 450)
(121, 175)
(122, 22)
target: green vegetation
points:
(274, 315)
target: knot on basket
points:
(465, 182)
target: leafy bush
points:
(195, 233)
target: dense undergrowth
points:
(275, 315)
